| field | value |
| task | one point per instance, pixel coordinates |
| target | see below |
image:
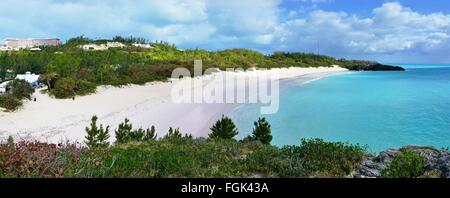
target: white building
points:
(5, 48)
(146, 46)
(3, 86)
(33, 79)
(35, 49)
(16, 44)
(94, 47)
(115, 45)
(102, 47)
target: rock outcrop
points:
(437, 161)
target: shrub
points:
(125, 133)
(10, 142)
(21, 89)
(65, 87)
(34, 159)
(175, 136)
(9, 102)
(86, 87)
(136, 135)
(405, 165)
(150, 134)
(173, 133)
(336, 159)
(224, 129)
(266, 160)
(262, 131)
(69, 87)
(97, 136)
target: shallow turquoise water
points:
(378, 109)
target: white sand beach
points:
(57, 120)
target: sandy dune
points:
(56, 120)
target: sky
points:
(402, 31)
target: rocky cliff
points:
(437, 162)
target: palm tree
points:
(48, 79)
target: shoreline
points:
(60, 120)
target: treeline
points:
(81, 40)
(224, 128)
(69, 71)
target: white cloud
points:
(190, 23)
(264, 39)
(392, 31)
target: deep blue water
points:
(378, 109)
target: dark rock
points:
(437, 161)
(370, 168)
(385, 157)
(444, 163)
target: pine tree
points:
(137, 135)
(150, 134)
(10, 142)
(173, 133)
(224, 129)
(262, 131)
(123, 132)
(96, 136)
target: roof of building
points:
(29, 77)
(15, 39)
(4, 84)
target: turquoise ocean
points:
(378, 109)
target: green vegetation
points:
(9, 102)
(175, 155)
(69, 87)
(223, 129)
(175, 134)
(19, 90)
(125, 133)
(405, 165)
(69, 71)
(96, 136)
(166, 157)
(261, 132)
(324, 159)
